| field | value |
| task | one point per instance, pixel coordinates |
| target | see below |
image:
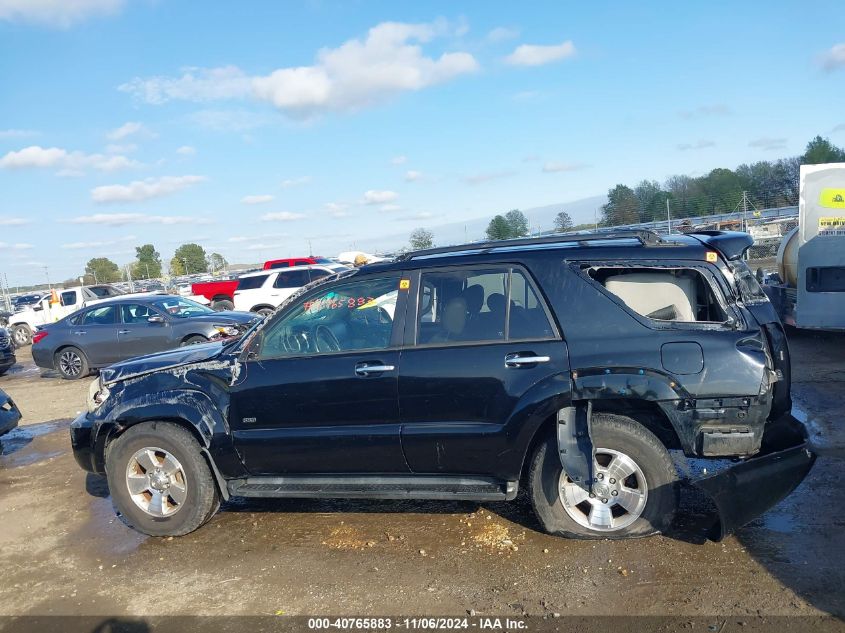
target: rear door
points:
(138, 336)
(286, 283)
(96, 334)
(482, 339)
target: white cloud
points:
(240, 239)
(389, 208)
(17, 133)
(398, 160)
(36, 157)
(555, 167)
(373, 196)
(767, 143)
(707, 110)
(121, 148)
(123, 219)
(700, 144)
(337, 209)
(295, 182)
(13, 221)
(19, 246)
(228, 120)
(535, 55)
(144, 189)
(834, 58)
(128, 129)
(186, 150)
(195, 84)
(357, 74)
(97, 244)
(477, 179)
(502, 33)
(413, 175)
(281, 216)
(56, 13)
(258, 199)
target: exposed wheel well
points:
(222, 298)
(261, 306)
(190, 336)
(645, 412)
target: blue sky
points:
(254, 127)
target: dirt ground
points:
(62, 551)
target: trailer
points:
(809, 289)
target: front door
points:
(317, 392)
(483, 340)
(138, 336)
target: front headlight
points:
(97, 394)
(226, 330)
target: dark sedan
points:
(112, 331)
(7, 351)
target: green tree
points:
(103, 270)
(192, 258)
(622, 207)
(499, 229)
(421, 238)
(563, 222)
(518, 222)
(217, 262)
(821, 150)
(148, 264)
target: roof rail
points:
(646, 238)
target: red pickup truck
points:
(219, 293)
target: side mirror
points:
(156, 318)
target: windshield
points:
(181, 308)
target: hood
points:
(162, 360)
(225, 317)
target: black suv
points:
(569, 365)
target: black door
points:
(475, 357)
(318, 393)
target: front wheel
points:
(159, 482)
(195, 339)
(222, 305)
(635, 493)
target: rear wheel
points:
(159, 482)
(635, 493)
(263, 310)
(72, 363)
(21, 334)
(222, 304)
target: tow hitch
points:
(743, 492)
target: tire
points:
(188, 494)
(21, 334)
(71, 363)
(194, 339)
(558, 503)
(223, 304)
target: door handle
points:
(515, 360)
(80, 332)
(123, 331)
(363, 369)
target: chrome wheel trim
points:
(70, 363)
(621, 493)
(156, 482)
(20, 336)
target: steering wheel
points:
(325, 340)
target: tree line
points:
(188, 259)
(764, 184)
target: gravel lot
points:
(62, 551)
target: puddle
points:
(19, 437)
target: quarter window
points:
(352, 316)
(663, 294)
(251, 283)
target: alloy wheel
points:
(156, 482)
(70, 363)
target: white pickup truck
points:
(22, 324)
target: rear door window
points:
(106, 315)
(292, 278)
(251, 283)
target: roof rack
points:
(646, 238)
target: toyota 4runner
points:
(568, 365)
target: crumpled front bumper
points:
(9, 413)
(743, 492)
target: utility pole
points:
(744, 211)
(597, 219)
(668, 217)
(310, 250)
(47, 274)
(185, 261)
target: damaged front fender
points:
(745, 491)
